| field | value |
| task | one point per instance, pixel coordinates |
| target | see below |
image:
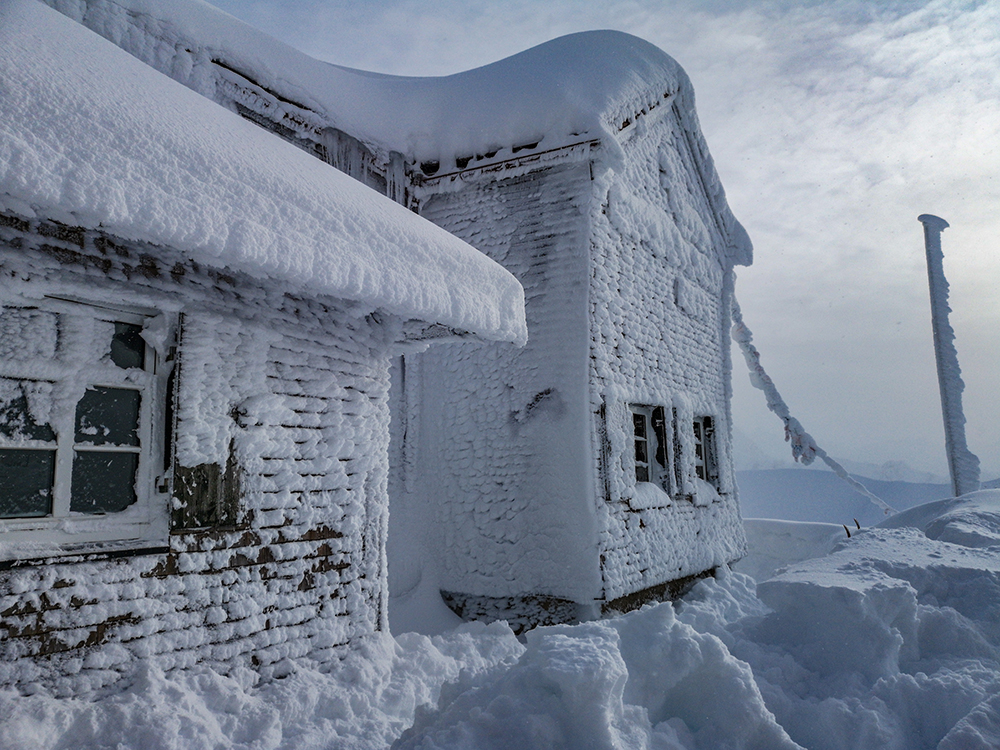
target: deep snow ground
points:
(888, 640)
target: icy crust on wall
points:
(295, 393)
(92, 137)
(590, 85)
(659, 324)
(501, 439)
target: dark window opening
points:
(652, 452)
(128, 349)
(641, 447)
(706, 464)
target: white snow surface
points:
(892, 640)
(92, 137)
(594, 85)
(578, 86)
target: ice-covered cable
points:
(804, 447)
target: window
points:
(79, 394)
(652, 454)
(706, 465)
(657, 453)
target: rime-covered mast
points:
(962, 463)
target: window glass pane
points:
(108, 416)
(26, 478)
(127, 346)
(641, 473)
(660, 431)
(103, 482)
(641, 455)
(639, 424)
(17, 418)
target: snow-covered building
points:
(590, 470)
(196, 327)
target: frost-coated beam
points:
(962, 463)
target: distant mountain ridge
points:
(820, 496)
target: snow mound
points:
(890, 642)
(367, 702)
(644, 680)
(92, 137)
(969, 521)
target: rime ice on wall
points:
(659, 323)
(625, 248)
(525, 458)
(501, 440)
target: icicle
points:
(804, 448)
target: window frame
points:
(63, 529)
(661, 459)
(706, 450)
(671, 440)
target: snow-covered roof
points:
(91, 136)
(582, 86)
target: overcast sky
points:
(833, 125)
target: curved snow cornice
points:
(584, 85)
(91, 136)
(588, 85)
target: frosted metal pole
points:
(962, 463)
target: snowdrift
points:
(892, 640)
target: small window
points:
(706, 465)
(78, 398)
(652, 453)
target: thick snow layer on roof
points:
(91, 136)
(583, 86)
(585, 83)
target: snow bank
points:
(366, 703)
(775, 544)
(641, 681)
(892, 641)
(92, 137)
